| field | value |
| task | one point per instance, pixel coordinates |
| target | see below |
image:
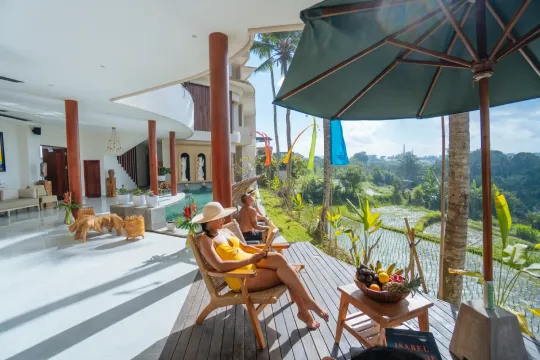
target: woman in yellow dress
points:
(226, 253)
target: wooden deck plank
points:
(172, 340)
(183, 340)
(322, 295)
(227, 346)
(274, 352)
(292, 330)
(309, 342)
(250, 348)
(282, 335)
(227, 332)
(217, 334)
(192, 350)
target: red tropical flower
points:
(187, 212)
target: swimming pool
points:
(202, 197)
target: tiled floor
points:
(105, 299)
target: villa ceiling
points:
(95, 51)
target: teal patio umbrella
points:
(394, 59)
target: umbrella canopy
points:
(394, 59)
(370, 60)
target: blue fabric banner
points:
(338, 150)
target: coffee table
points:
(367, 326)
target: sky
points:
(514, 128)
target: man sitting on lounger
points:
(247, 217)
(255, 204)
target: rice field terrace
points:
(393, 248)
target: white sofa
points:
(15, 199)
(44, 198)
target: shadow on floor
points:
(134, 274)
(70, 337)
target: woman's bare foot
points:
(306, 317)
(313, 306)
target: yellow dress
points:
(231, 250)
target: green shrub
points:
(526, 232)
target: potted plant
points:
(123, 195)
(139, 198)
(68, 205)
(171, 225)
(184, 222)
(162, 173)
(151, 200)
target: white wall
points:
(23, 155)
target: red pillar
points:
(152, 151)
(220, 119)
(73, 152)
(172, 155)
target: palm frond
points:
(265, 66)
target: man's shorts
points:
(255, 235)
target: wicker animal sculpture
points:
(86, 211)
(112, 221)
(85, 223)
(134, 226)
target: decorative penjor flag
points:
(311, 158)
(338, 150)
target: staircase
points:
(128, 161)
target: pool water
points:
(202, 197)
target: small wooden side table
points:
(366, 325)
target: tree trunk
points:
(289, 144)
(327, 183)
(276, 137)
(455, 240)
(443, 207)
(288, 122)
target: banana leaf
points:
(515, 254)
(503, 214)
(473, 274)
(533, 270)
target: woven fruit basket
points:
(134, 226)
(380, 296)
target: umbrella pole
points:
(482, 75)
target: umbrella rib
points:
(439, 70)
(390, 67)
(364, 52)
(512, 38)
(433, 63)
(362, 6)
(509, 28)
(433, 53)
(529, 37)
(459, 31)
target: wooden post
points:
(172, 155)
(152, 153)
(441, 248)
(413, 257)
(220, 119)
(481, 37)
(73, 152)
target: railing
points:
(128, 161)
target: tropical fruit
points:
(403, 287)
(375, 287)
(383, 278)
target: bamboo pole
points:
(443, 220)
(413, 257)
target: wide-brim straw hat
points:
(212, 211)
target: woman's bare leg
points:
(267, 278)
(288, 275)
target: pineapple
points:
(401, 288)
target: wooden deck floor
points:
(227, 333)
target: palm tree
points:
(455, 240)
(262, 47)
(280, 46)
(327, 183)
